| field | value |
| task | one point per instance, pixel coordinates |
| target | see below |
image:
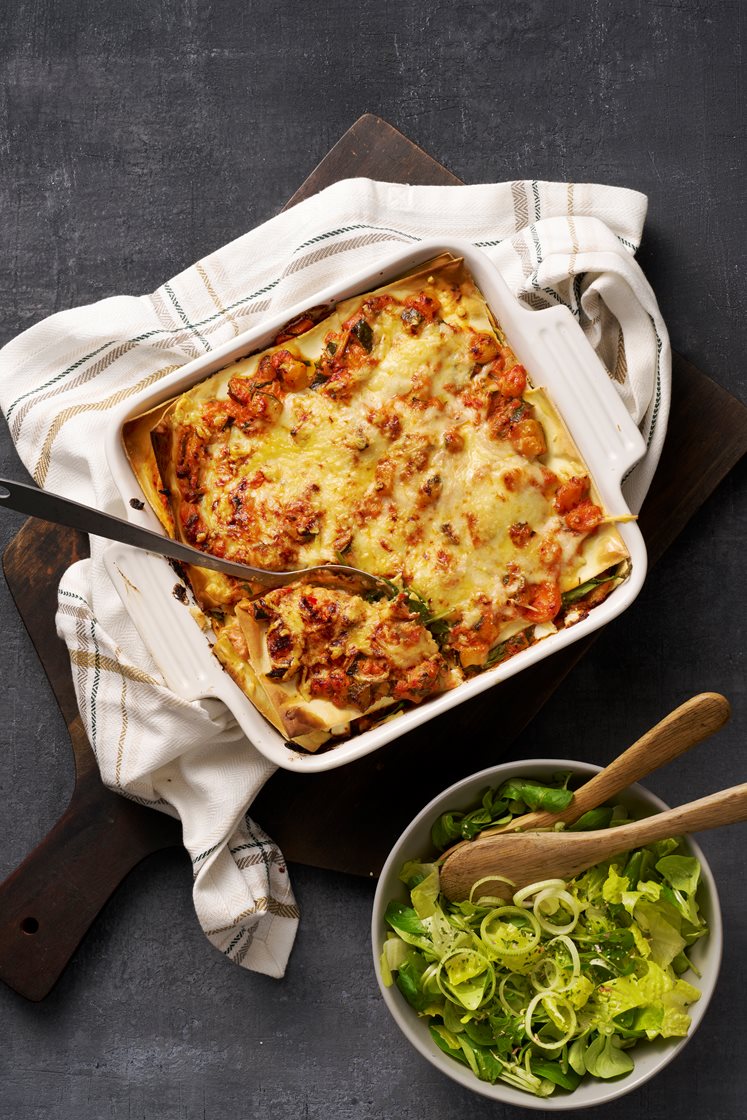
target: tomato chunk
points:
(426, 306)
(528, 438)
(513, 382)
(520, 533)
(570, 493)
(292, 372)
(542, 603)
(483, 347)
(584, 517)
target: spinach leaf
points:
(583, 589)
(554, 1072)
(443, 1039)
(407, 924)
(437, 625)
(506, 648)
(536, 796)
(446, 829)
(364, 334)
(409, 981)
(595, 818)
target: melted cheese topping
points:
(402, 436)
(339, 644)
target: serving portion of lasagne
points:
(399, 435)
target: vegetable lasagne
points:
(398, 434)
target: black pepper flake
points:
(412, 319)
(180, 592)
(136, 503)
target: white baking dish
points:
(552, 347)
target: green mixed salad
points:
(564, 981)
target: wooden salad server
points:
(528, 857)
(692, 722)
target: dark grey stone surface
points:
(136, 137)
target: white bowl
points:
(649, 1057)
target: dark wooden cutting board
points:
(345, 819)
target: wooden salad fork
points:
(493, 851)
(528, 857)
(692, 722)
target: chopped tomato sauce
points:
(570, 493)
(540, 602)
(584, 517)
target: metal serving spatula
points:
(62, 511)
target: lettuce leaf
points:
(656, 990)
(453, 825)
(468, 977)
(415, 871)
(665, 942)
(425, 895)
(446, 830)
(676, 1022)
(447, 1042)
(605, 1059)
(576, 1055)
(682, 874)
(394, 952)
(615, 885)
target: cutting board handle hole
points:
(30, 925)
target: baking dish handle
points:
(584, 394)
(165, 621)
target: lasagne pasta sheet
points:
(400, 435)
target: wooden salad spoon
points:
(528, 857)
(690, 723)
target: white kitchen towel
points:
(65, 380)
